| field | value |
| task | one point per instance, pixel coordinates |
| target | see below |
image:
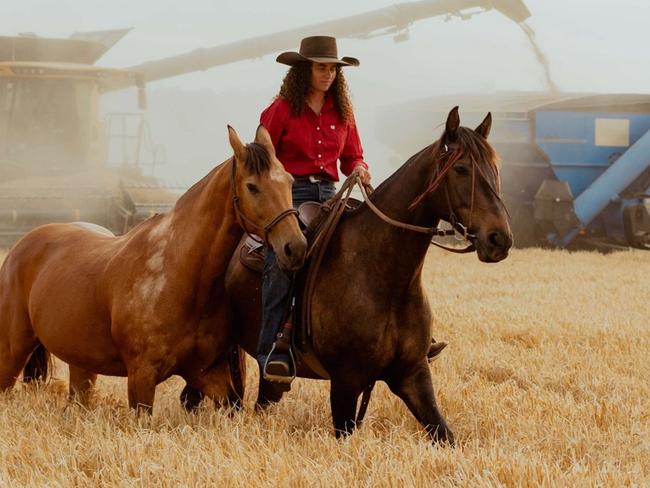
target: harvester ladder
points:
(129, 134)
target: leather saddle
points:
(310, 215)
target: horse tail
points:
(38, 366)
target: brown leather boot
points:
(435, 349)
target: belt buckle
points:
(314, 179)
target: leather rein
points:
(457, 227)
(246, 222)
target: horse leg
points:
(141, 382)
(81, 385)
(415, 388)
(223, 382)
(38, 365)
(343, 401)
(269, 393)
(191, 398)
(17, 342)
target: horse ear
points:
(263, 137)
(451, 127)
(484, 127)
(236, 144)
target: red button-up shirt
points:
(310, 144)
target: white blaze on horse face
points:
(277, 174)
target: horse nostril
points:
(287, 250)
(496, 239)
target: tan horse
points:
(149, 304)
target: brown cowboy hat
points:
(317, 49)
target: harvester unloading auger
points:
(53, 149)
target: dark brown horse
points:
(371, 319)
(151, 303)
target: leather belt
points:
(312, 179)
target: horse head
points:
(262, 196)
(474, 187)
(466, 185)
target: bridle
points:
(458, 228)
(244, 221)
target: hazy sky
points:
(591, 45)
(594, 45)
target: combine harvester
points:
(54, 150)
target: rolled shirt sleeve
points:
(352, 154)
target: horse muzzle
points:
(291, 253)
(493, 246)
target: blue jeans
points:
(276, 283)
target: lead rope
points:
(336, 207)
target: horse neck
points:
(205, 225)
(400, 252)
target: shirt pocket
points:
(336, 136)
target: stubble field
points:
(545, 383)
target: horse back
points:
(54, 257)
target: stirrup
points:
(277, 377)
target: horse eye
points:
(461, 170)
(252, 188)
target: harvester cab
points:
(53, 147)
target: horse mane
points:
(386, 183)
(467, 145)
(257, 162)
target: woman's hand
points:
(362, 173)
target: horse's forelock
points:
(468, 144)
(477, 148)
(257, 159)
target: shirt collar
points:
(329, 103)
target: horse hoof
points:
(343, 433)
(191, 398)
(444, 436)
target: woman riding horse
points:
(379, 328)
(312, 125)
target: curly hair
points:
(297, 81)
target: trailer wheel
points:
(636, 221)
